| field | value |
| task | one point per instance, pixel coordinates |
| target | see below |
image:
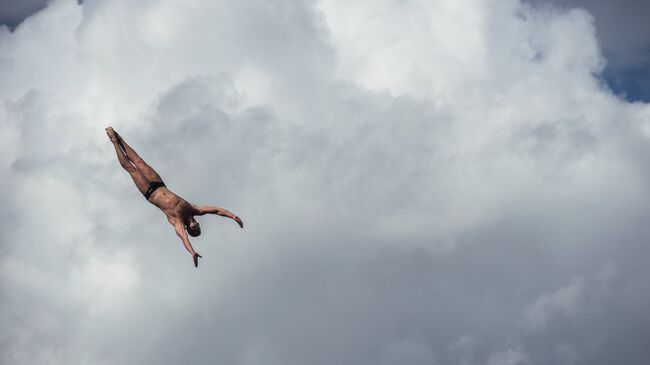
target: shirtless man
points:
(179, 212)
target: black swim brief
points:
(152, 187)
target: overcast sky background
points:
(422, 182)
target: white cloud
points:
(410, 174)
(622, 28)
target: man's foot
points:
(196, 259)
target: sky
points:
(623, 34)
(422, 182)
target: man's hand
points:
(238, 220)
(196, 259)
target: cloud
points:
(508, 357)
(420, 182)
(624, 37)
(563, 301)
(622, 29)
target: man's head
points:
(193, 228)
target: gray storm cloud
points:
(443, 182)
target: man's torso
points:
(171, 204)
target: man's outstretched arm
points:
(211, 209)
(180, 231)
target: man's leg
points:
(145, 169)
(139, 179)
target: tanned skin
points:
(179, 212)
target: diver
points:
(179, 212)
